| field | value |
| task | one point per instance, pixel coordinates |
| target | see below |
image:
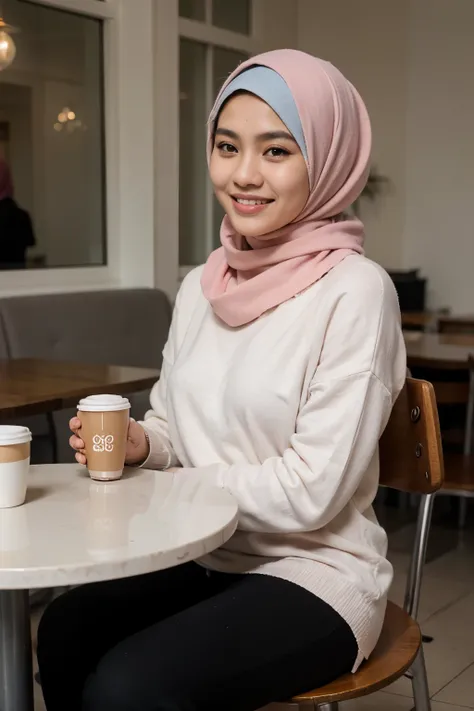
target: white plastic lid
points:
(14, 434)
(103, 403)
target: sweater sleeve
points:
(360, 373)
(155, 424)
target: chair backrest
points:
(411, 455)
(114, 327)
(411, 460)
(455, 387)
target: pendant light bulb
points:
(7, 45)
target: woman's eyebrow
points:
(275, 136)
(227, 132)
(267, 136)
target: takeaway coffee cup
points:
(14, 464)
(104, 429)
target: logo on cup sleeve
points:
(103, 443)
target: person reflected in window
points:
(16, 229)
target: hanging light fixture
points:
(7, 45)
(68, 121)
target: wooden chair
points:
(411, 461)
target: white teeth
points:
(241, 201)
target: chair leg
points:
(419, 682)
(328, 707)
(462, 512)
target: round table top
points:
(73, 530)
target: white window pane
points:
(51, 111)
(232, 15)
(192, 9)
(192, 153)
(225, 61)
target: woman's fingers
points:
(76, 443)
(75, 424)
(80, 458)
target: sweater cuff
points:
(159, 456)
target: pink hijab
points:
(241, 284)
(6, 182)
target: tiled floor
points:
(446, 613)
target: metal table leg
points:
(16, 673)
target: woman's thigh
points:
(261, 640)
(79, 627)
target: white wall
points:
(413, 62)
(368, 44)
(439, 228)
(276, 23)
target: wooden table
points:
(423, 320)
(31, 387)
(72, 531)
(463, 323)
(418, 319)
(434, 350)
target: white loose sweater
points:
(286, 413)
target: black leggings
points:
(187, 640)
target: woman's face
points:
(257, 169)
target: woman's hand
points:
(137, 449)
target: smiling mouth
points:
(245, 201)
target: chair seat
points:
(459, 472)
(395, 652)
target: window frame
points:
(212, 37)
(128, 53)
(141, 39)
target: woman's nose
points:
(247, 172)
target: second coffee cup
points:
(14, 464)
(104, 430)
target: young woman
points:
(284, 358)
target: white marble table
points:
(72, 530)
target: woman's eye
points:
(277, 152)
(226, 147)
